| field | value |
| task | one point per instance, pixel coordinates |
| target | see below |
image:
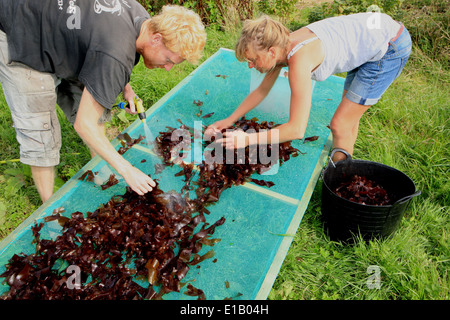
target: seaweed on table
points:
(130, 237)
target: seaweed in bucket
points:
(364, 191)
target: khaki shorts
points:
(32, 97)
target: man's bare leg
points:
(44, 179)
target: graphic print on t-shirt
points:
(112, 6)
(100, 6)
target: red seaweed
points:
(194, 292)
(198, 103)
(313, 138)
(207, 115)
(263, 183)
(127, 142)
(111, 181)
(134, 237)
(361, 190)
(142, 229)
(88, 174)
(214, 178)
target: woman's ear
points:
(272, 52)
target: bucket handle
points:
(407, 198)
(349, 157)
(402, 200)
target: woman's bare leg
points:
(344, 126)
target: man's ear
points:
(156, 39)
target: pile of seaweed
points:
(156, 237)
(214, 177)
(361, 190)
(129, 237)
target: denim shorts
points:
(366, 84)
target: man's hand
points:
(128, 95)
(138, 181)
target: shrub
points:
(220, 12)
(280, 8)
(344, 7)
(428, 23)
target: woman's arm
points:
(300, 104)
(256, 96)
(250, 102)
(300, 68)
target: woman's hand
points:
(236, 139)
(217, 127)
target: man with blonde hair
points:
(79, 54)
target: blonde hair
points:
(182, 30)
(261, 34)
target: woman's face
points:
(261, 60)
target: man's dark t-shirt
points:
(90, 40)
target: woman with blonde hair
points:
(371, 47)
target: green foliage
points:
(213, 12)
(148, 4)
(15, 182)
(280, 8)
(344, 7)
(120, 120)
(428, 23)
(15, 178)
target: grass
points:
(408, 129)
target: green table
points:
(260, 221)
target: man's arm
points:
(93, 134)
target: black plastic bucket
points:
(343, 219)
